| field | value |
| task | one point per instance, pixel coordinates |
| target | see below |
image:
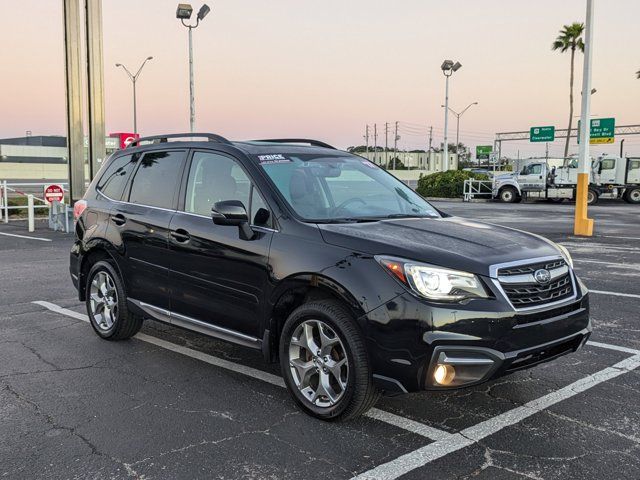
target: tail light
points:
(79, 207)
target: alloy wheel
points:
(104, 300)
(318, 363)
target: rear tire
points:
(339, 362)
(592, 197)
(107, 304)
(632, 195)
(508, 195)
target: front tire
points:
(509, 195)
(592, 197)
(324, 362)
(107, 304)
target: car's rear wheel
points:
(107, 304)
(324, 362)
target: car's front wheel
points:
(107, 304)
(324, 362)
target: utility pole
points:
(386, 144)
(366, 136)
(375, 141)
(582, 224)
(395, 146)
(430, 147)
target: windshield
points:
(335, 189)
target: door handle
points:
(180, 235)
(119, 219)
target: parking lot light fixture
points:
(447, 67)
(183, 13)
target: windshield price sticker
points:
(367, 163)
(273, 158)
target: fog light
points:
(444, 374)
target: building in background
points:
(42, 157)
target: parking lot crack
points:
(581, 423)
(54, 425)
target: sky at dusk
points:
(301, 68)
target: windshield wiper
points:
(407, 215)
(349, 220)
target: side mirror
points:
(233, 213)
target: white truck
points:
(610, 174)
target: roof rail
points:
(315, 143)
(212, 137)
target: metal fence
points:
(29, 191)
(477, 188)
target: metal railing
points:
(20, 190)
(480, 188)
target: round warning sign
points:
(53, 193)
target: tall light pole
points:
(458, 115)
(582, 224)
(184, 13)
(134, 79)
(447, 67)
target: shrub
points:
(446, 184)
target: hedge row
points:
(448, 184)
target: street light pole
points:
(134, 79)
(458, 115)
(447, 67)
(184, 13)
(445, 158)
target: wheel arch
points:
(94, 252)
(295, 291)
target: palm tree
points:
(570, 38)
(638, 74)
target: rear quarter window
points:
(116, 175)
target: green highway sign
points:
(542, 134)
(483, 151)
(602, 130)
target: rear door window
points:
(157, 178)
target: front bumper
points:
(484, 339)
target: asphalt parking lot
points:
(170, 404)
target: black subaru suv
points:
(321, 260)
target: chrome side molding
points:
(188, 323)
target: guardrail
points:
(20, 190)
(473, 188)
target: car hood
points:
(450, 242)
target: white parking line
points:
(422, 456)
(25, 236)
(615, 294)
(375, 413)
(632, 351)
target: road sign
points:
(483, 151)
(542, 134)
(53, 193)
(602, 130)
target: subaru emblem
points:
(542, 276)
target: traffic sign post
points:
(54, 193)
(542, 134)
(602, 130)
(483, 152)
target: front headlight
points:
(565, 253)
(434, 283)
